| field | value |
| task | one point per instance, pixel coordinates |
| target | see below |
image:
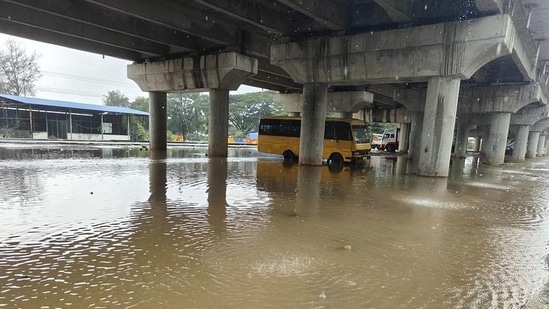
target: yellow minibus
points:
(345, 140)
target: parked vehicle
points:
(390, 141)
(376, 140)
(345, 140)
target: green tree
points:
(141, 104)
(139, 123)
(379, 127)
(116, 98)
(188, 114)
(245, 110)
(18, 70)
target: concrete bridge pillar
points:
(157, 120)
(483, 132)
(438, 126)
(313, 105)
(462, 139)
(217, 73)
(478, 141)
(497, 139)
(218, 123)
(416, 124)
(521, 143)
(541, 146)
(404, 139)
(313, 116)
(533, 139)
(546, 146)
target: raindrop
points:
(425, 7)
(206, 17)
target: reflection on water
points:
(134, 229)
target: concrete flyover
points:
(423, 63)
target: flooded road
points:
(105, 228)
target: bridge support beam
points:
(313, 116)
(438, 126)
(533, 139)
(497, 139)
(521, 143)
(343, 103)
(157, 120)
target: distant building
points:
(23, 117)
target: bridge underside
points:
(408, 54)
(145, 30)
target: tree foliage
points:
(140, 104)
(188, 114)
(18, 70)
(116, 98)
(379, 127)
(245, 110)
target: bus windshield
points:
(360, 133)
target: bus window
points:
(337, 130)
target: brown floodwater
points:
(109, 227)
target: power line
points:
(69, 91)
(87, 79)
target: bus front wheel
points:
(335, 159)
(288, 155)
(390, 148)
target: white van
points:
(390, 140)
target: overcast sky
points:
(77, 76)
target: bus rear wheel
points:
(288, 155)
(390, 148)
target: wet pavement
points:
(104, 227)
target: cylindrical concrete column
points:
(483, 132)
(521, 142)
(157, 120)
(157, 176)
(217, 194)
(532, 149)
(478, 141)
(461, 139)
(546, 146)
(313, 117)
(438, 126)
(403, 137)
(218, 123)
(497, 139)
(416, 123)
(541, 146)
